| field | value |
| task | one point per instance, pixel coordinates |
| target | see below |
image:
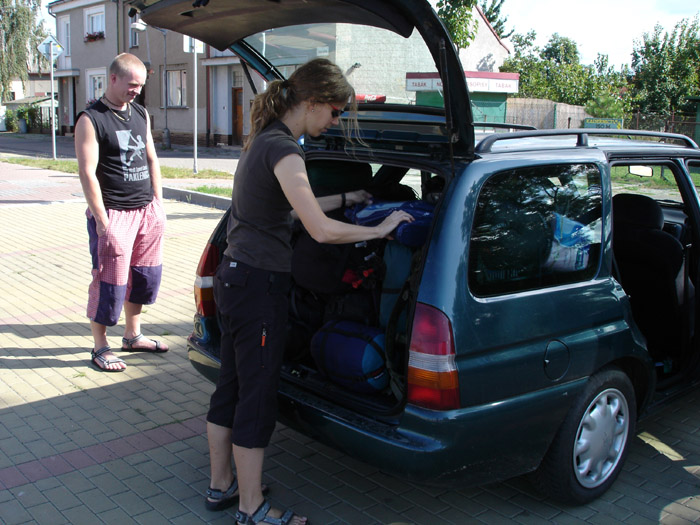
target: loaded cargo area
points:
(351, 304)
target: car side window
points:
(536, 227)
(694, 170)
(654, 180)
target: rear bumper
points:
(470, 446)
(203, 347)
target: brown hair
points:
(124, 63)
(318, 80)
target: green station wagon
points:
(549, 303)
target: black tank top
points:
(122, 169)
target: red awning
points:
(370, 98)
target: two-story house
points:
(93, 32)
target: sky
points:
(49, 21)
(597, 26)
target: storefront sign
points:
(477, 81)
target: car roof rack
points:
(502, 125)
(581, 135)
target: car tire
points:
(591, 445)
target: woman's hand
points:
(357, 197)
(389, 224)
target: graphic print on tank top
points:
(132, 150)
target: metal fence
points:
(683, 123)
(545, 114)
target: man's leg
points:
(145, 270)
(99, 334)
(132, 317)
(106, 291)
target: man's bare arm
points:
(87, 150)
(153, 162)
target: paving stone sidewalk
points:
(80, 446)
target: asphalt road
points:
(37, 145)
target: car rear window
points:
(403, 73)
(536, 227)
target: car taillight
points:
(204, 282)
(432, 374)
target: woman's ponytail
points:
(318, 80)
(269, 106)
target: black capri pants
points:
(253, 308)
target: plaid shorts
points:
(127, 261)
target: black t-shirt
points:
(122, 169)
(260, 226)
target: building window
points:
(177, 88)
(133, 34)
(64, 34)
(536, 227)
(95, 85)
(237, 78)
(94, 23)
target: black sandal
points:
(128, 345)
(101, 362)
(260, 516)
(222, 500)
(216, 500)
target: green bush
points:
(22, 112)
(11, 121)
(32, 114)
(34, 117)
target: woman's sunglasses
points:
(335, 112)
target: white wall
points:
(485, 53)
(361, 44)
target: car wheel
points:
(590, 447)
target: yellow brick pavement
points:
(82, 446)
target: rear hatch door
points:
(274, 36)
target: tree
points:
(459, 21)
(492, 12)
(19, 38)
(606, 105)
(666, 69)
(554, 73)
(561, 50)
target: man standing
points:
(120, 176)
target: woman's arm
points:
(291, 174)
(340, 200)
(350, 198)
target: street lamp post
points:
(141, 26)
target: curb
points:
(198, 198)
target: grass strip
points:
(71, 166)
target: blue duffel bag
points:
(413, 234)
(351, 355)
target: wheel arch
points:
(640, 375)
